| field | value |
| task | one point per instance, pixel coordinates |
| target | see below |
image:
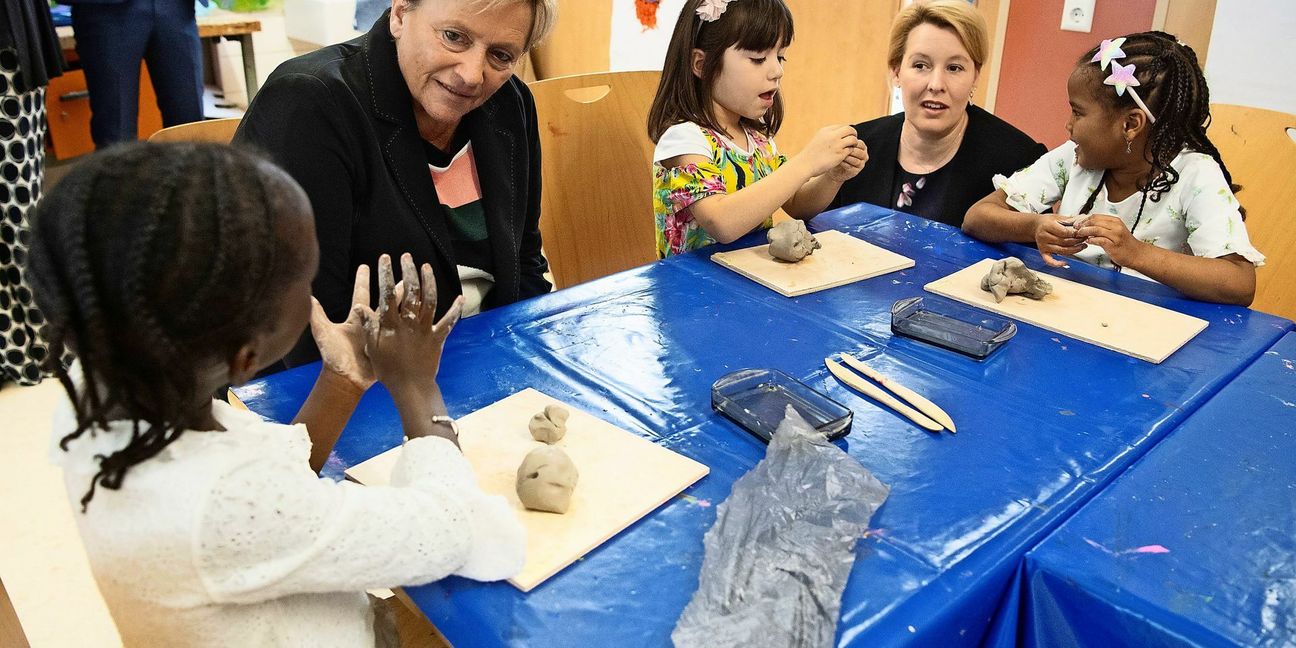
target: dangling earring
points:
(1128, 146)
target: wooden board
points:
(1083, 312)
(622, 478)
(843, 259)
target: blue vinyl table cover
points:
(1044, 423)
(1196, 544)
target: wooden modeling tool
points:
(867, 388)
(932, 410)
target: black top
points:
(340, 121)
(990, 146)
(26, 26)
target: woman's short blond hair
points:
(955, 15)
(544, 15)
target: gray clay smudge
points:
(549, 426)
(1011, 277)
(790, 241)
(546, 479)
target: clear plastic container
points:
(756, 399)
(951, 325)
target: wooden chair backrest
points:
(220, 131)
(1258, 147)
(596, 213)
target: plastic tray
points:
(951, 326)
(756, 399)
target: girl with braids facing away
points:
(1139, 187)
(205, 525)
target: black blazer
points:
(990, 146)
(340, 121)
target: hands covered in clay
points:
(856, 157)
(1057, 235)
(399, 344)
(342, 346)
(1111, 234)
(831, 148)
(404, 338)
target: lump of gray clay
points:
(549, 426)
(546, 479)
(791, 241)
(1011, 277)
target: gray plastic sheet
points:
(782, 546)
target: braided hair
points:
(150, 261)
(1172, 85)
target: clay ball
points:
(791, 241)
(549, 426)
(546, 479)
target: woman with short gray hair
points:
(417, 137)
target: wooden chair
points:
(596, 207)
(220, 131)
(1258, 147)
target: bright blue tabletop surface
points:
(1044, 423)
(1193, 546)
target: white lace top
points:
(1197, 216)
(229, 539)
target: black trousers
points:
(112, 38)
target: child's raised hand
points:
(404, 338)
(1111, 234)
(342, 346)
(1057, 235)
(829, 148)
(850, 167)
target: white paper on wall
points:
(634, 46)
(1252, 55)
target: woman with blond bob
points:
(936, 158)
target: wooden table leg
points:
(249, 66)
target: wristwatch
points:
(454, 427)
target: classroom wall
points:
(835, 72)
(1038, 57)
(837, 64)
(1252, 58)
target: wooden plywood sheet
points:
(843, 259)
(622, 478)
(1083, 312)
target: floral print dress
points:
(728, 170)
(1198, 215)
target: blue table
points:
(1043, 425)
(1213, 509)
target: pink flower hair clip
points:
(1122, 76)
(711, 10)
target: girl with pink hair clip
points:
(717, 108)
(1139, 187)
